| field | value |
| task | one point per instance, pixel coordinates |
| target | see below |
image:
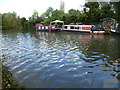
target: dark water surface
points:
(62, 59)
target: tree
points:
(106, 11)
(74, 16)
(10, 21)
(72, 12)
(92, 5)
(116, 8)
(97, 11)
(57, 15)
(35, 18)
(24, 22)
(35, 14)
(49, 12)
(93, 13)
(0, 21)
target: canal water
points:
(62, 59)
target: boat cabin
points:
(54, 25)
(82, 28)
(58, 24)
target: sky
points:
(25, 8)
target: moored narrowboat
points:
(78, 27)
(44, 28)
(54, 26)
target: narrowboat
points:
(78, 27)
(54, 26)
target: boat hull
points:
(47, 29)
(76, 31)
(97, 32)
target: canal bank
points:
(8, 80)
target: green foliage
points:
(10, 21)
(49, 12)
(106, 11)
(35, 14)
(24, 22)
(57, 15)
(30, 24)
(116, 8)
(98, 11)
(0, 21)
(8, 81)
(92, 5)
(92, 13)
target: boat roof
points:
(107, 19)
(78, 25)
(57, 21)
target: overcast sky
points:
(25, 8)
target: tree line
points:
(91, 14)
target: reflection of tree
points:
(107, 49)
(96, 49)
(105, 45)
(118, 76)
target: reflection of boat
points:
(54, 26)
(95, 36)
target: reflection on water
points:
(62, 59)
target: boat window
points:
(65, 27)
(71, 27)
(76, 27)
(42, 27)
(79, 27)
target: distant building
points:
(62, 6)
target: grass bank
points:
(8, 81)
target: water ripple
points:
(61, 59)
